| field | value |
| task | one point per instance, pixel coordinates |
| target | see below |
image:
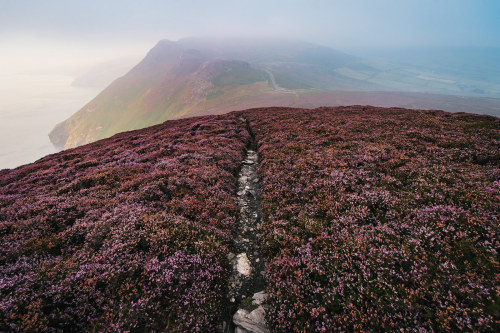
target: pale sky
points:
(71, 33)
(335, 23)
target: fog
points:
(336, 23)
(37, 92)
(46, 45)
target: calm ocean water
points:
(30, 106)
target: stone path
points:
(246, 284)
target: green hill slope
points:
(210, 76)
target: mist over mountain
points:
(216, 75)
(462, 70)
(249, 166)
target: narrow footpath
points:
(246, 285)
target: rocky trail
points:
(246, 285)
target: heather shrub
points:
(374, 220)
(379, 219)
(126, 234)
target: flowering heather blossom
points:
(374, 220)
(129, 233)
(380, 219)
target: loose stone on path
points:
(247, 262)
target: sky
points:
(331, 22)
(67, 33)
(46, 44)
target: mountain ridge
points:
(200, 75)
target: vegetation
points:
(129, 233)
(374, 220)
(238, 73)
(215, 94)
(203, 76)
(380, 219)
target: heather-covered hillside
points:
(128, 233)
(380, 219)
(373, 220)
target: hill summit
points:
(369, 219)
(199, 75)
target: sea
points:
(31, 104)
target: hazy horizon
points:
(44, 33)
(46, 45)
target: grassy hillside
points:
(191, 76)
(374, 220)
(169, 83)
(456, 70)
